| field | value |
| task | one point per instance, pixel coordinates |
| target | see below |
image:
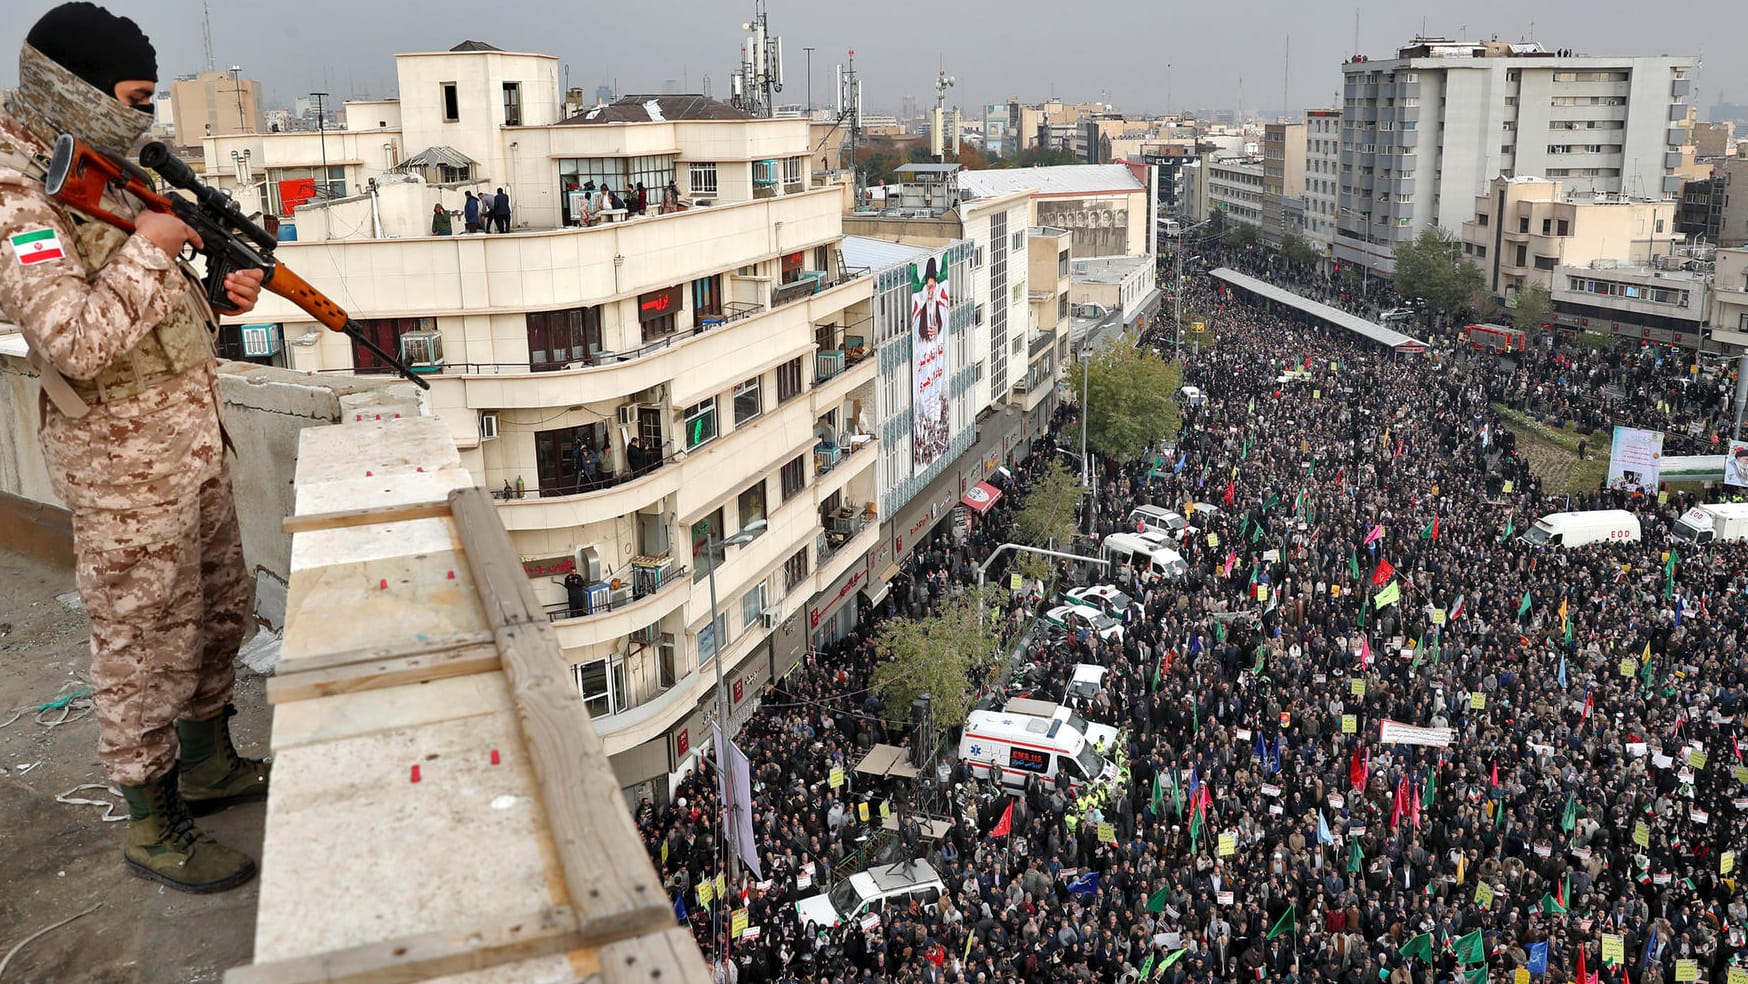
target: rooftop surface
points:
(690, 107)
(1064, 179)
(1107, 269)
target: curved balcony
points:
(551, 512)
(614, 622)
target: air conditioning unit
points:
(627, 414)
(621, 596)
(422, 349)
(649, 634)
(771, 616)
(488, 427)
(588, 561)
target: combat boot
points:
(165, 846)
(214, 776)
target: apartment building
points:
(1111, 209)
(211, 104)
(1322, 169)
(1283, 176)
(1729, 302)
(1524, 228)
(1645, 302)
(1235, 189)
(1423, 133)
(634, 390)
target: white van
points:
(1192, 396)
(1144, 553)
(872, 892)
(997, 744)
(1097, 735)
(1575, 529)
(1146, 519)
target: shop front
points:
(831, 615)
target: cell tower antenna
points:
(206, 31)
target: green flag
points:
(1568, 632)
(1147, 966)
(1195, 828)
(1507, 534)
(1289, 922)
(1645, 676)
(1524, 606)
(1158, 665)
(1353, 564)
(1177, 793)
(1171, 958)
(1158, 797)
(1156, 901)
(1355, 856)
(1431, 791)
(1551, 905)
(1418, 946)
(1569, 817)
(1389, 596)
(1426, 534)
(1470, 948)
(1476, 976)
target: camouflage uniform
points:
(131, 433)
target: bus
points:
(1496, 338)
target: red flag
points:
(1005, 825)
(1396, 803)
(1589, 703)
(1384, 573)
(1416, 808)
(1356, 771)
(1365, 651)
(1435, 527)
(1493, 780)
(1582, 976)
(1231, 490)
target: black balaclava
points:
(68, 84)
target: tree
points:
(1243, 234)
(1534, 308)
(1047, 517)
(949, 655)
(1131, 405)
(1431, 267)
(1297, 251)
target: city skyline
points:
(1131, 72)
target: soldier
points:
(121, 336)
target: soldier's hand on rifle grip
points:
(167, 232)
(244, 288)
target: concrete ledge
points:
(36, 530)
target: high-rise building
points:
(1283, 175)
(215, 104)
(1424, 132)
(1322, 166)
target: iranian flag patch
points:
(40, 246)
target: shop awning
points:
(981, 497)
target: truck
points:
(1720, 521)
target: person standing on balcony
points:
(440, 223)
(501, 211)
(470, 213)
(487, 204)
(121, 336)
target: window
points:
(1481, 218)
(707, 296)
(512, 104)
(567, 460)
(701, 178)
(788, 380)
(705, 530)
(1659, 226)
(289, 187)
(1564, 227)
(791, 268)
(262, 344)
(751, 504)
(701, 423)
(792, 170)
(752, 605)
(711, 638)
(746, 401)
(602, 684)
(795, 570)
(386, 333)
(559, 338)
(794, 475)
(1547, 226)
(658, 312)
(1546, 262)
(619, 174)
(451, 103)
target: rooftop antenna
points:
(1286, 73)
(760, 77)
(206, 31)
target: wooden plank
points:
(311, 722)
(419, 647)
(428, 955)
(355, 852)
(363, 516)
(610, 880)
(378, 674)
(661, 958)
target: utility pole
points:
(322, 128)
(809, 51)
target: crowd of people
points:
(1559, 792)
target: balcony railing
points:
(829, 456)
(645, 579)
(560, 486)
(841, 348)
(832, 539)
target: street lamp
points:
(983, 568)
(1177, 292)
(713, 547)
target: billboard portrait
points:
(1736, 464)
(929, 363)
(1635, 459)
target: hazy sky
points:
(1087, 50)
